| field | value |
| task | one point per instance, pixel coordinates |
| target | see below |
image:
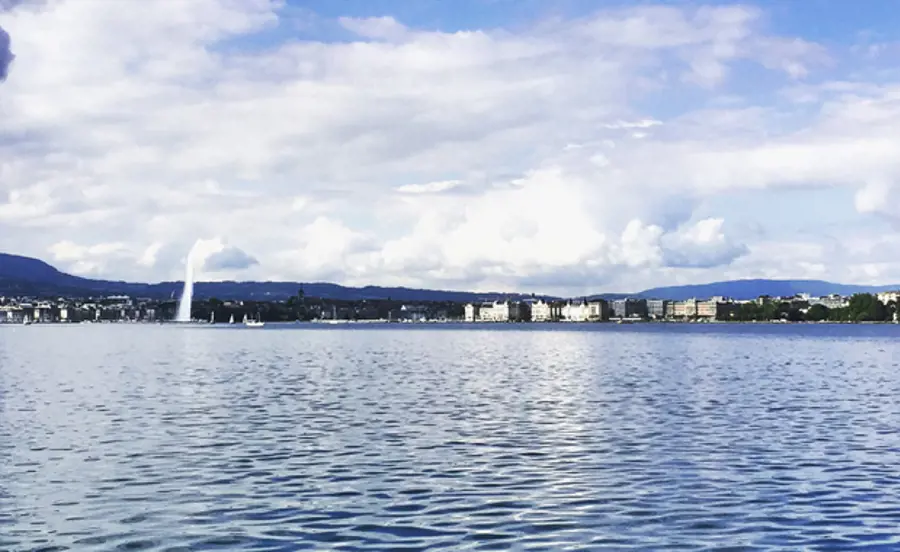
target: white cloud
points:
(429, 187)
(703, 245)
(148, 258)
(88, 260)
(643, 123)
(374, 27)
(879, 197)
(558, 157)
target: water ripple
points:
(592, 437)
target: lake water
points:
(643, 437)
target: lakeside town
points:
(881, 307)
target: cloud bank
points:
(588, 153)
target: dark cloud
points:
(230, 258)
(6, 55)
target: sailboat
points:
(258, 323)
(212, 318)
(231, 320)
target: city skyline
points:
(558, 148)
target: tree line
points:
(862, 307)
(304, 308)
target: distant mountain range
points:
(27, 276)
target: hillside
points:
(26, 276)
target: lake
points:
(558, 437)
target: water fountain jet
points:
(187, 295)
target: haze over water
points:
(641, 437)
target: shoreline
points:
(199, 323)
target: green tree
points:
(794, 314)
(770, 311)
(865, 307)
(817, 313)
(840, 314)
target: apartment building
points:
(717, 308)
(543, 311)
(472, 312)
(684, 309)
(496, 311)
(628, 308)
(830, 301)
(598, 310)
(585, 311)
(658, 309)
(575, 311)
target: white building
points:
(542, 311)
(830, 301)
(583, 311)
(10, 313)
(598, 310)
(576, 311)
(472, 312)
(888, 296)
(497, 311)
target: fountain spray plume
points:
(187, 295)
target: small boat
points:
(253, 323)
(231, 320)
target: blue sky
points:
(565, 147)
(823, 21)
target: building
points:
(629, 308)
(543, 311)
(497, 311)
(889, 296)
(576, 311)
(11, 314)
(717, 308)
(658, 309)
(472, 312)
(598, 310)
(829, 301)
(585, 311)
(684, 309)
